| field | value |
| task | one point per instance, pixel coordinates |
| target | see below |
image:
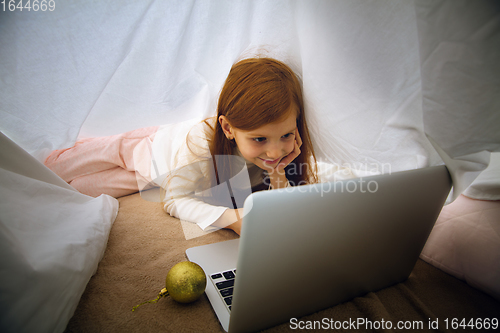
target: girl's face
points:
(265, 146)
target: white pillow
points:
(51, 241)
(465, 242)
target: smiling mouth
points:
(271, 161)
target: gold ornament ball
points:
(186, 282)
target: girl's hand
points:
(230, 219)
(236, 227)
(277, 177)
(293, 155)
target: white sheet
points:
(51, 241)
(102, 68)
(459, 52)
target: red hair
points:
(260, 91)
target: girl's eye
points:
(259, 139)
(286, 136)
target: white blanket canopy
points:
(389, 85)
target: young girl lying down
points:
(260, 119)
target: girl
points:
(260, 118)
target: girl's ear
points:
(226, 127)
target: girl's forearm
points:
(230, 219)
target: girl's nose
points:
(275, 152)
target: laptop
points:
(307, 248)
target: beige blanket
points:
(145, 243)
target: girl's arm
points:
(181, 200)
(231, 219)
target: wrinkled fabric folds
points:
(388, 86)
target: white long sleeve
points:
(192, 210)
(182, 165)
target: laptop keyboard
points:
(224, 283)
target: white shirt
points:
(180, 163)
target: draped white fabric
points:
(51, 240)
(459, 51)
(99, 68)
(389, 85)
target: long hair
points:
(260, 91)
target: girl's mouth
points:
(271, 161)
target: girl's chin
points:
(263, 167)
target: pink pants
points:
(103, 165)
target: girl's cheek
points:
(254, 152)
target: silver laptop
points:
(307, 248)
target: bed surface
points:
(145, 243)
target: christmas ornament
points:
(185, 283)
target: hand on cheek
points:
(289, 158)
(277, 177)
(293, 154)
